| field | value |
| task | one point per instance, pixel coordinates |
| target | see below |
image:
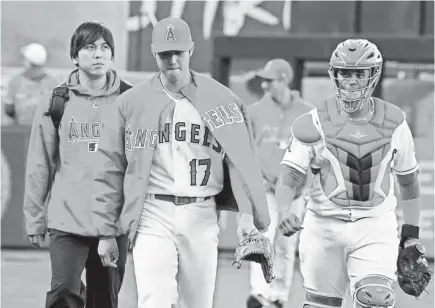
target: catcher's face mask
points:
(352, 87)
(355, 68)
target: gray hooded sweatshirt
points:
(59, 189)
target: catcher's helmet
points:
(355, 54)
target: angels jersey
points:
(355, 158)
(187, 160)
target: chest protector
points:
(356, 168)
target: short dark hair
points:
(87, 33)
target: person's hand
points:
(37, 240)
(289, 223)
(108, 252)
(245, 225)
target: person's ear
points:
(191, 50)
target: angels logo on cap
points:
(170, 33)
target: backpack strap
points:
(59, 97)
(124, 86)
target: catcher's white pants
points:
(285, 255)
(334, 253)
(175, 255)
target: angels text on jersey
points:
(192, 132)
(144, 137)
(89, 132)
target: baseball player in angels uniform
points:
(179, 148)
(272, 117)
(353, 143)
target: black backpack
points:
(60, 96)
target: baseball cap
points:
(171, 33)
(276, 69)
(35, 53)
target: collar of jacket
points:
(189, 90)
(111, 87)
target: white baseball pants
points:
(175, 255)
(335, 253)
(285, 255)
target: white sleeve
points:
(298, 155)
(405, 161)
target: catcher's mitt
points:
(413, 271)
(256, 248)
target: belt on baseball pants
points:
(179, 200)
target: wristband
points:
(410, 231)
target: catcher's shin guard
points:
(320, 301)
(374, 291)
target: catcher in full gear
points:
(353, 143)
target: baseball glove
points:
(413, 271)
(256, 248)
